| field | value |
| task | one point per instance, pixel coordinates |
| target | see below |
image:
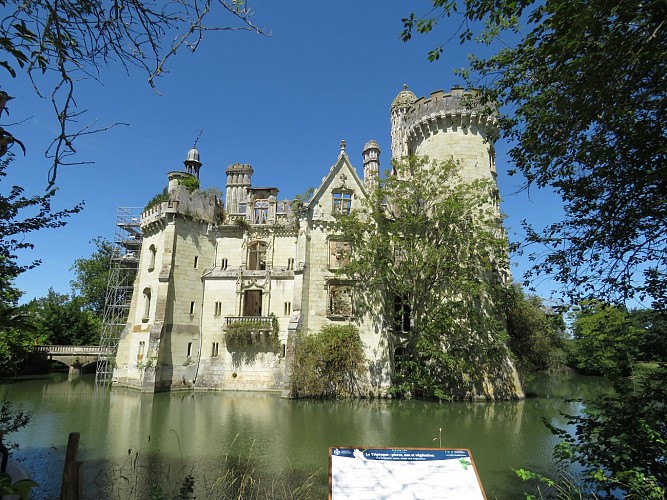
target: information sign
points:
(403, 473)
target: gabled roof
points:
(350, 179)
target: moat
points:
(181, 433)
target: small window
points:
(189, 349)
(218, 309)
(290, 264)
(192, 307)
(223, 264)
(147, 303)
(288, 308)
(196, 261)
(152, 252)
(140, 352)
(214, 349)
(342, 202)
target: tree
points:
(583, 97)
(92, 277)
(536, 332)
(61, 320)
(429, 257)
(20, 215)
(71, 40)
(609, 340)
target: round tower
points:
(192, 163)
(448, 126)
(399, 107)
(238, 183)
(371, 154)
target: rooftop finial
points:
(405, 86)
(343, 145)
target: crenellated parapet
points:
(444, 126)
(444, 110)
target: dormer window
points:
(342, 202)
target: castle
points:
(267, 267)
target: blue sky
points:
(329, 71)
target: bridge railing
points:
(73, 349)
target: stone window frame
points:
(341, 201)
(330, 311)
(255, 244)
(331, 264)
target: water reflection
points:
(171, 435)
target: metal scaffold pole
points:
(122, 272)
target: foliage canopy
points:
(583, 97)
(428, 255)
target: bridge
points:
(75, 356)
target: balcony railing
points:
(262, 321)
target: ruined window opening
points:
(152, 252)
(342, 202)
(402, 313)
(339, 253)
(340, 300)
(257, 256)
(252, 303)
(261, 212)
(147, 303)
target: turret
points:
(401, 104)
(238, 185)
(192, 163)
(371, 155)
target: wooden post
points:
(71, 485)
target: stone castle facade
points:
(223, 288)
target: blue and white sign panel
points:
(403, 474)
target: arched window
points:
(257, 256)
(147, 303)
(152, 252)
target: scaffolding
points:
(122, 272)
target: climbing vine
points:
(245, 333)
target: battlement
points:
(454, 104)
